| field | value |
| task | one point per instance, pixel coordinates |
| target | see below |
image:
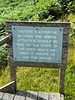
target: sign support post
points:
(13, 76)
(61, 81)
(38, 44)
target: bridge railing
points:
(5, 39)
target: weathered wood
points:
(9, 88)
(66, 31)
(21, 95)
(64, 52)
(1, 95)
(13, 75)
(62, 65)
(33, 23)
(61, 81)
(43, 96)
(8, 96)
(65, 39)
(31, 95)
(54, 96)
(64, 46)
(5, 40)
(17, 97)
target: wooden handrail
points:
(5, 39)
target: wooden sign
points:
(38, 44)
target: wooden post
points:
(61, 81)
(13, 75)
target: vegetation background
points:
(37, 79)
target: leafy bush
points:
(2, 28)
(67, 5)
(50, 9)
(3, 57)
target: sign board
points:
(37, 44)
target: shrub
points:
(3, 56)
(67, 5)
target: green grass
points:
(37, 79)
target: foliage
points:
(3, 57)
(67, 5)
(33, 10)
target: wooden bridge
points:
(8, 92)
(31, 95)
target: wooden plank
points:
(5, 40)
(54, 96)
(64, 52)
(66, 31)
(35, 23)
(13, 75)
(10, 51)
(65, 39)
(37, 64)
(64, 55)
(31, 95)
(43, 96)
(61, 81)
(17, 97)
(1, 95)
(65, 45)
(9, 88)
(9, 31)
(21, 93)
(8, 96)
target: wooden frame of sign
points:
(62, 66)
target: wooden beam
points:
(61, 81)
(43, 96)
(9, 88)
(31, 95)
(13, 75)
(5, 39)
(1, 95)
(8, 96)
(54, 96)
